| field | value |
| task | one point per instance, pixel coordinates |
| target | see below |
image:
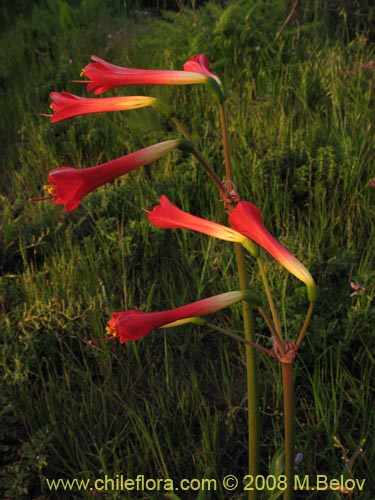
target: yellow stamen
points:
(110, 330)
(50, 189)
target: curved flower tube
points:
(66, 105)
(103, 76)
(201, 64)
(167, 215)
(246, 219)
(133, 325)
(69, 185)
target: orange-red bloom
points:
(103, 76)
(133, 325)
(246, 219)
(69, 185)
(167, 215)
(67, 105)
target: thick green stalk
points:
(251, 375)
(288, 387)
(248, 320)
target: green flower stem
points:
(251, 375)
(269, 323)
(202, 160)
(224, 132)
(277, 330)
(288, 387)
(229, 333)
(179, 126)
(210, 173)
(305, 324)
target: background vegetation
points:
(301, 117)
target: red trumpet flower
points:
(133, 325)
(103, 76)
(69, 185)
(246, 219)
(67, 105)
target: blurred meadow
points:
(300, 82)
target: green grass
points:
(301, 123)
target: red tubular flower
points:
(67, 105)
(69, 185)
(167, 215)
(103, 76)
(133, 325)
(246, 219)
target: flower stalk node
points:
(290, 352)
(233, 194)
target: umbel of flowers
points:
(68, 186)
